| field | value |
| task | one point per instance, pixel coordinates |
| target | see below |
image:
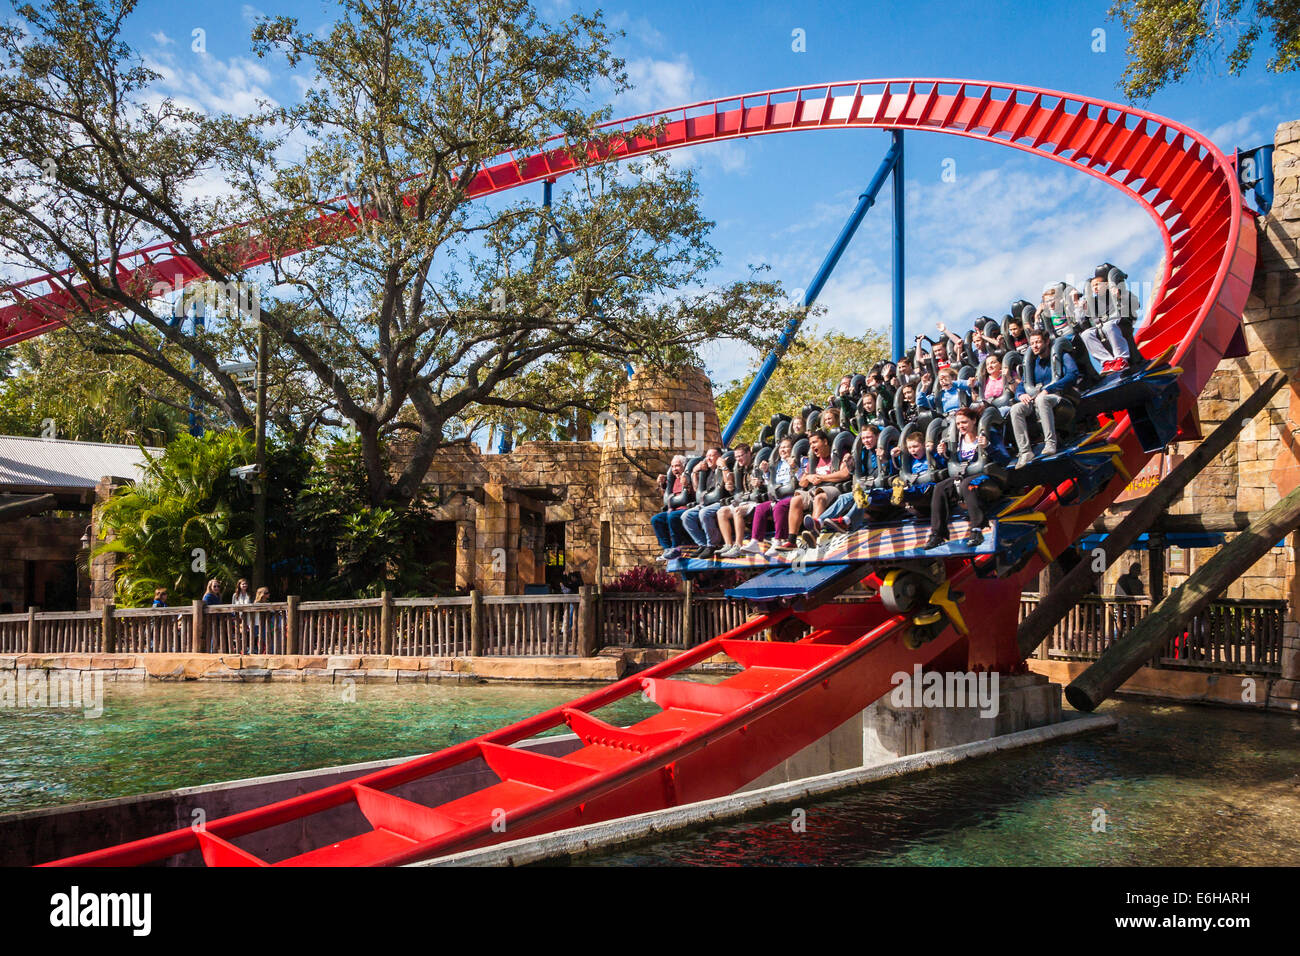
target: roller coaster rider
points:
(1109, 314)
(976, 474)
(678, 495)
(873, 469)
(1047, 381)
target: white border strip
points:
(593, 837)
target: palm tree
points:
(186, 521)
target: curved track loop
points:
(709, 742)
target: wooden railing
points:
(1237, 637)
(341, 627)
(668, 620)
(146, 630)
(432, 627)
(1243, 637)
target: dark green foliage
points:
(1170, 38)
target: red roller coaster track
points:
(708, 740)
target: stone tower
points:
(653, 418)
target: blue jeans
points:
(668, 528)
(702, 525)
(839, 507)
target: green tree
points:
(354, 548)
(187, 520)
(1170, 38)
(810, 371)
(87, 396)
(427, 311)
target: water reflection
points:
(157, 736)
(1173, 786)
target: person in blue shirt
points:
(964, 480)
(1039, 392)
(949, 395)
(915, 497)
(212, 594)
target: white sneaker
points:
(753, 546)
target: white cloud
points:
(657, 84)
(1245, 131)
(161, 38)
(974, 246)
(207, 83)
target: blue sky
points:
(1006, 225)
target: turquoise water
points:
(1178, 786)
(157, 736)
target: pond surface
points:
(158, 736)
(1174, 786)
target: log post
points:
(586, 621)
(1171, 615)
(106, 635)
(386, 624)
(32, 630)
(196, 629)
(1156, 565)
(291, 624)
(1053, 606)
(475, 623)
(688, 619)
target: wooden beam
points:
(1227, 522)
(1055, 605)
(1156, 566)
(26, 507)
(1119, 661)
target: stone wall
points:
(538, 483)
(679, 417)
(38, 539)
(1263, 464)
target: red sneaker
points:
(1119, 365)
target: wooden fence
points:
(1229, 636)
(1236, 637)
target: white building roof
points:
(54, 463)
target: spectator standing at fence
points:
(1130, 582)
(262, 639)
(159, 597)
(212, 594)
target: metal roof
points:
(54, 463)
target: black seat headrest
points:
(799, 450)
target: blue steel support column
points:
(196, 426)
(1261, 158)
(865, 202)
(896, 338)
